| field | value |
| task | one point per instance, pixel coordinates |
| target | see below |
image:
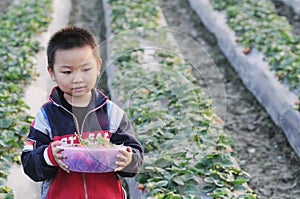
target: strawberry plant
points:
(19, 25)
(92, 141)
(182, 136)
(257, 25)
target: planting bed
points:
(20, 24)
(149, 78)
(278, 94)
(263, 149)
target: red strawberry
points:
(246, 50)
(140, 187)
(278, 75)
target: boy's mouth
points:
(79, 88)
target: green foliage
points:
(257, 25)
(139, 15)
(19, 26)
(6, 193)
(173, 118)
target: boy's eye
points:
(66, 72)
(86, 69)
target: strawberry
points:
(246, 50)
(140, 187)
(145, 91)
(278, 75)
(219, 120)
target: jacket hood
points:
(98, 98)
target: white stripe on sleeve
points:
(115, 115)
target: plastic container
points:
(91, 159)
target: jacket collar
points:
(98, 98)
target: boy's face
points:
(75, 71)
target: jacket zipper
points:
(83, 175)
(93, 110)
(80, 132)
(74, 117)
(84, 186)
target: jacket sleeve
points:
(122, 133)
(33, 154)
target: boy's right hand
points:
(58, 156)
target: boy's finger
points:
(118, 169)
(59, 156)
(56, 143)
(63, 166)
(120, 164)
(65, 169)
(122, 157)
(125, 152)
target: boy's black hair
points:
(68, 38)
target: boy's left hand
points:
(124, 159)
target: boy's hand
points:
(58, 156)
(124, 159)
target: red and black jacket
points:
(55, 122)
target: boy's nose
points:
(77, 78)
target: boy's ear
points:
(51, 73)
(99, 65)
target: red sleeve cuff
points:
(50, 155)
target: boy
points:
(75, 107)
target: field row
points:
(187, 153)
(258, 56)
(19, 26)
